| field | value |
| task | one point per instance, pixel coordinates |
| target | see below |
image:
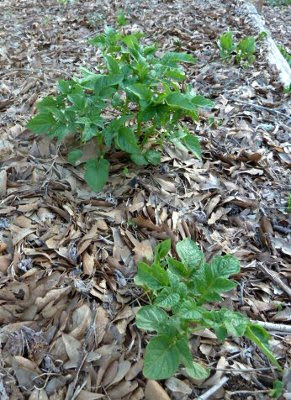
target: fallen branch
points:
(273, 327)
(213, 390)
(274, 56)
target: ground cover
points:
(69, 255)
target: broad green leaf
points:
(178, 57)
(224, 266)
(139, 159)
(162, 249)
(78, 99)
(126, 140)
(235, 323)
(141, 91)
(74, 155)
(89, 132)
(177, 267)
(200, 101)
(65, 87)
(174, 280)
(226, 44)
(46, 104)
(255, 333)
(192, 144)
(112, 64)
(153, 157)
(178, 100)
(189, 310)
(175, 73)
(221, 333)
(161, 358)
(189, 253)
(210, 297)
(167, 299)
(113, 127)
(96, 173)
(61, 131)
(42, 123)
(184, 351)
(196, 371)
(277, 391)
(153, 277)
(151, 318)
(223, 285)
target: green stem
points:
(138, 131)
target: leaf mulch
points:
(68, 256)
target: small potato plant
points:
(135, 103)
(184, 298)
(242, 52)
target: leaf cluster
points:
(242, 52)
(184, 295)
(135, 103)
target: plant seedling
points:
(243, 51)
(184, 296)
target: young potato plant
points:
(185, 294)
(135, 103)
(242, 52)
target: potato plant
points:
(135, 103)
(185, 296)
(242, 52)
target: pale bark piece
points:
(3, 183)
(38, 395)
(154, 391)
(274, 56)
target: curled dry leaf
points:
(154, 391)
(176, 385)
(122, 389)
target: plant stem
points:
(138, 131)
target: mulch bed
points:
(68, 256)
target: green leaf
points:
(177, 267)
(221, 333)
(113, 127)
(112, 65)
(167, 299)
(226, 44)
(259, 336)
(175, 57)
(162, 249)
(78, 99)
(223, 285)
(180, 101)
(42, 123)
(46, 104)
(277, 390)
(189, 253)
(196, 371)
(184, 351)
(141, 91)
(224, 266)
(65, 87)
(74, 155)
(192, 144)
(153, 277)
(151, 318)
(153, 157)
(126, 140)
(201, 101)
(161, 358)
(96, 173)
(139, 159)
